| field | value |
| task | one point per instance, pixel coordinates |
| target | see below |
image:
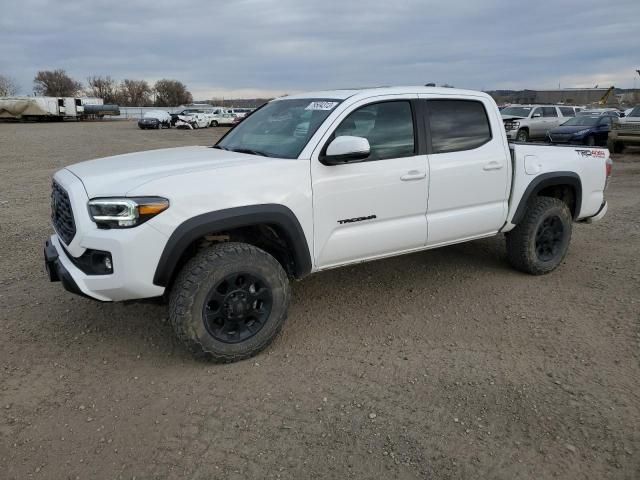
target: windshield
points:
(584, 121)
(280, 128)
(635, 112)
(517, 111)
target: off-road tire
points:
(197, 279)
(522, 250)
(522, 135)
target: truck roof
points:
(342, 94)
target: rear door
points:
(469, 167)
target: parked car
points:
(625, 132)
(526, 122)
(155, 119)
(193, 121)
(186, 112)
(596, 112)
(582, 130)
(222, 117)
(241, 112)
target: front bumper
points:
(135, 253)
(56, 270)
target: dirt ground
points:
(445, 364)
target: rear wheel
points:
(229, 302)
(522, 136)
(539, 243)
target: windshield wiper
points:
(249, 151)
(219, 147)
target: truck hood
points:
(116, 176)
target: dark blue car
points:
(587, 130)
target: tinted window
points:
(567, 112)
(457, 125)
(549, 112)
(537, 111)
(388, 126)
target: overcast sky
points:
(245, 48)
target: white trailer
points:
(45, 108)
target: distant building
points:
(576, 96)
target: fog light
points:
(107, 264)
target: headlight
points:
(125, 212)
(582, 132)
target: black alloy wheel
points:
(549, 238)
(237, 307)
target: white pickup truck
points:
(307, 183)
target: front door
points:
(377, 206)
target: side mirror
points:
(536, 115)
(346, 149)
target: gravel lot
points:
(444, 364)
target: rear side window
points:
(549, 112)
(457, 125)
(567, 112)
(388, 126)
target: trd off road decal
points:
(591, 153)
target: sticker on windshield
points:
(321, 105)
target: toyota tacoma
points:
(307, 183)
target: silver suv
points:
(525, 122)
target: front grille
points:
(511, 125)
(62, 214)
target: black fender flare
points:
(220, 220)
(548, 180)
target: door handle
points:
(492, 166)
(413, 175)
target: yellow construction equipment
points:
(603, 101)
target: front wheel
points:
(229, 302)
(522, 136)
(214, 123)
(539, 243)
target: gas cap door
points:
(532, 164)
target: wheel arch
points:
(275, 216)
(553, 184)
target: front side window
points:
(549, 112)
(280, 129)
(457, 125)
(388, 126)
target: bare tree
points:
(103, 87)
(170, 93)
(8, 86)
(134, 93)
(55, 83)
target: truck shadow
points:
(380, 289)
